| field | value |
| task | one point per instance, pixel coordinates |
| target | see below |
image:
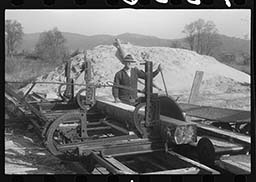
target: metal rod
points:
(99, 128)
(137, 152)
(116, 127)
(193, 162)
(164, 82)
(33, 85)
(96, 85)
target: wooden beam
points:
(226, 133)
(237, 164)
(12, 94)
(195, 87)
(123, 148)
(188, 170)
(194, 162)
(119, 165)
(216, 114)
(104, 164)
(102, 170)
(116, 127)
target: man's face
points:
(128, 65)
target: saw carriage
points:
(156, 136)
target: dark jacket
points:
(122, 78)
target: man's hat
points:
(129, 58)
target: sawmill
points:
(158, 135)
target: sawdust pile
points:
(179, 67)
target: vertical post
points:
(69, 88)
(67, 70)
(148, 91)
(90, 90)
(87, 71)
(84, 133)
(195, 87)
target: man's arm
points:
(120, 54)
(115, 90)
(142, 74)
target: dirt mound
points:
(179, 67)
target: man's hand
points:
(159, 67)
(117, 43)
(117, 100)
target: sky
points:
(166, 24)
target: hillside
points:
(229, 45)
(74, 41)
(179, 67)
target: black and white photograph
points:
(127, 91)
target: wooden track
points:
(216, 114)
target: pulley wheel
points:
(63, 131)
(206, 151)
(82, 100)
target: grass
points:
(23, 69)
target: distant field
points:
(22, 69)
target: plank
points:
(235, 135)
(193, 162)
(189, 170)
(119, 165)
(237, 164)
(215, 113)
(102, 170)
(195, 87)
(37, 113)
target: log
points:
(170, 129)
(222, 146)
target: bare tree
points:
(209, 38)
(51, 46)
(13, 36)
(199, 29)
(202, 36)
(190, 38)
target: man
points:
(128, 77)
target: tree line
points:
(201, 36)
(50, 47)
